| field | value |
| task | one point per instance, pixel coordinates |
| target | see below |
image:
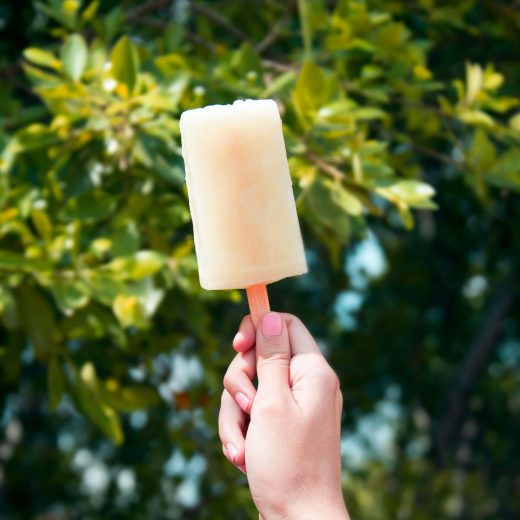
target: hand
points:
(286, 435)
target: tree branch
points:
(334, 172)
(475, 361)
(219, 20)
(439, 156)
(147, 7)
(153, 5)
(280, 67)
(276, 31)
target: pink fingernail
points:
(271, 324)
(232, 451)
(242, 400)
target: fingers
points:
(273, 355)
(300, 338)
(238, 379)
(246, 336)
(231, 425)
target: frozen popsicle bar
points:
(242, 205)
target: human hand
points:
(286, 434)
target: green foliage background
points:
(112, 355)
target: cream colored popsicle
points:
(242, 205)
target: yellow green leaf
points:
(42, 223)
(42, 57)
(125, 63)
(74, 55)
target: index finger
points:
(245, 338)
(300, 338)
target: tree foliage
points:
(112, 354)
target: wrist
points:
(318, 511)
(312, 508)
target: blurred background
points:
(402, 127)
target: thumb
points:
(273, 354)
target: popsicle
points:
(241, 201)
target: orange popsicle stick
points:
(258, 302)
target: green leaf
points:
(42, 223)
(138, 266)
(38, 77)
(324, 207)
(91, 401)
(148, 294)
(33, 137)
(91, 206)
(368, 113)
(16, 262)
(74, 56)
(406, 217)
(130, 398)
(246, 60)
(411, 190)
(173, 36)
(482, 153)
(38, 321)
(42, 57)
(391, 36)
(125, 63)
(505, 172)
(169, 171)
(125, 240)
(310, 92)
(63, 12)
(280, 83)
(97, 57)
(55, 382)
(338, 112)
(70, 294)
(474, 78)
(349, 202)
(90, 11)
(8, 310)
(514, 122)
(103, 287)
(404, 193)
(476, 117)
(312, 16)
(129, 311)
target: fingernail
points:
(271, 324)
(232, 451)
(242, 400)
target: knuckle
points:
(228, 380)
(277, 361)
(245, 321)
(222, 436)
(329, 379)
(340, 402)
(292, 320)
(276, 351)
(268, 407)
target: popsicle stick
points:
(258, 302)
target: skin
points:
(285, 435)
